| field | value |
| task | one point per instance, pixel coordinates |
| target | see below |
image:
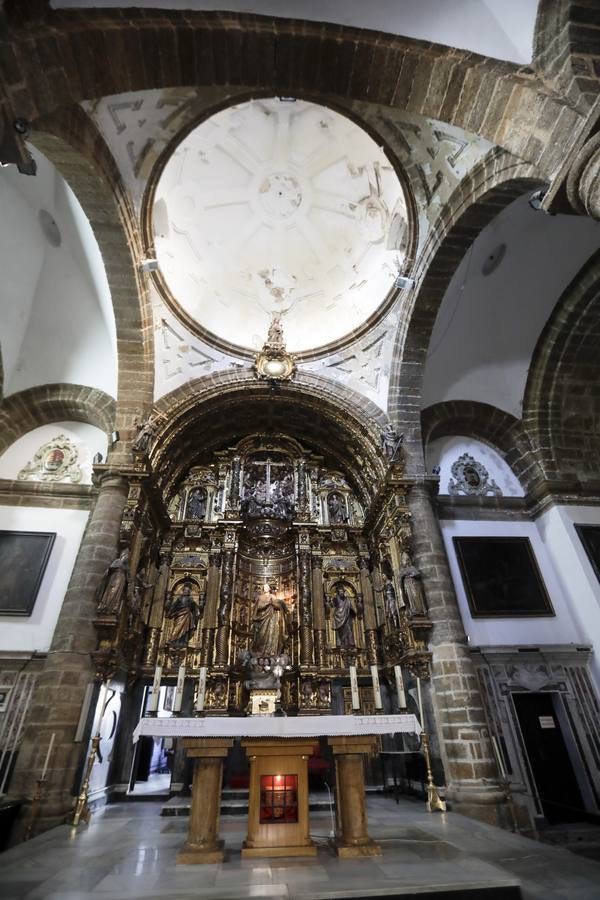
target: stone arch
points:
(164, 49)
(567, 49)
(73, 145)
(44, 404)
(203, 414)
(486, 423)
(480, 197)
(561, 406)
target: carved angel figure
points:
(113, 586)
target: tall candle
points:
(201, 689)
(100, 707)
(47, 760)
(400, 687)
(354, 688)
(179, 689)
(152, 706)
(376, 687)
(420, 700)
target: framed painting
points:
(24, 556)
(589, 535)
(501, 577)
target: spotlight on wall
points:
(21, 125)
(537, 198)
(403, 282)
(149, 265)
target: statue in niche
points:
(391, 601)
(336, 508)
(412, 586)
(270, 623)
(184, 612)
(146, 431)
(343, 615)
(113, 586)
(390, 441)
(196, 504)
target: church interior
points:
(300, 552)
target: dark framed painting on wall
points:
(589, 535)
(501, 577)
(24, 556)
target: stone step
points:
(234, 802)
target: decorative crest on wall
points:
(56, 460)
(471, 479)
(273, 361)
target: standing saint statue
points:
(337, 510)
(184, 613)
(271, 624)
(113, 586)
(391, 602)
(343, 614)
(412, 586)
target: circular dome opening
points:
(279, 207)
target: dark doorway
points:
(549, 758)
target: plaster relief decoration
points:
(301, 200)
(471, 479)
(56, 460)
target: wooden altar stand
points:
(278, 809)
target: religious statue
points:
(271, 624)
(343, 614)
(412, 586)
(390, 441)
(275, 332)
(196, 504)
(184, 612)
(391, 602)
(336, 507)
(113, 586)
(146, 431)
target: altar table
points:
(275, 744)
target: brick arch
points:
(47, 403)
(567, 49)
(74, 146)
(210, 411)
(486, 423)
(561, 407)
(163, 49)
(479, 198)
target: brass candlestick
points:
(434, 801)
(38, 796)
(82, 809)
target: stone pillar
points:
(467, 756)
(318, 611)
(306, 637)
(583, 182)
(68, 669)
(225, 599)
(203, 844)
(210, 610)
(366, 589)
(234, 490)
(302, 496)
(353, 838)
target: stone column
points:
(583, 181)
(465, 748)
(302, 496)
(353, 839)
(306, 637)
(234, 490)
(203, 844)
(61, 687)
(211, 608)
(225, 599)
(318, 610)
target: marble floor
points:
(127, 852)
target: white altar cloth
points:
(276, 726)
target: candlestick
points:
(179, 689)
(47, 760)
(420, 701)
(354, 688)
(376, 688)
(152, 707)
(400, 687)
(201, 689)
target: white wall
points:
(445, 451)
(563, 628)
(90, 440)
(574, 570)
(35, 632)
